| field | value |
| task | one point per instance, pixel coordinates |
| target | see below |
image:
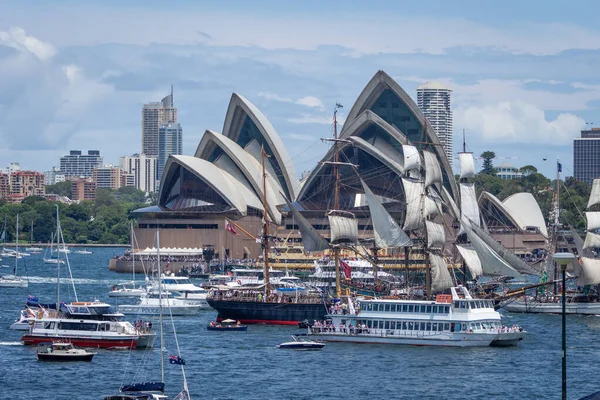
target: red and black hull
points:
(82, 342)
(258, 312)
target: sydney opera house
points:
(224, 178)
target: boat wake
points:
(11, 344)
(45, 279)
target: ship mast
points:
(336, 198)
(556, 222)
(265, 239)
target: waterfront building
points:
(79, 165)
(83, 189)
(170, 142)
(153, 116)
(23, 184)
(108, 177)
(143, 168)
(586, 156)
(433, 99)
(53, 176)
(507, 171)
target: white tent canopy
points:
(169, 251)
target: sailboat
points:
(50, 259)
(260, 305)
(14, 280)
(33, 248)
(125, 290)
(156, 389)
(586, 271)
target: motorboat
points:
(125, 290)
(226, 325)
(301, 342)
(152, 302)
(59, 351)
(84, 251)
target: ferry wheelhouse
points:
(451, 320)
(89, 324)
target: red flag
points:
(346, 268)
(229, 228)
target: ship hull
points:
(255, 312)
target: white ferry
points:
(451, 320)
(151, 304)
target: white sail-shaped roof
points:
(311, 239)
(433, 172)
(591, 270)
(468, 203)
(471, 259)
(412, 159)
(593, 220)
(594, 194)
(491, 262)
(467, 165)
(592, 240)
(387, 231)
(436, 236)
(343, 228)
(440, 276)
(413, 191)
(526, 211)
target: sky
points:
(74, 74)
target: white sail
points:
(440, 276)
(595, 194)
(436, 237)
(491, 262)
(592, 240)
(448, 200)
(414, 194)
(433, 172)
(412, 160)
(467, 165)
(508, 256)
(431, 207)
(471, 259)
(468, 203)
(593, 220)
(591, 270)
(311, 239)
(343, 227)
(387, 231)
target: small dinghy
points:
(62, 352)
(301, 342)
(226, 325)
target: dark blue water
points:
(247, 365)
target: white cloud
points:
(274, 97)
(517, 122)
(308, 101)
(16, 38)
(311, 101)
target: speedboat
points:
(62, 352)
(84, 251)
(301, 342)
(226, 325)
(122, 290)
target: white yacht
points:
(451, 320)
(151, 304)
(126, 290)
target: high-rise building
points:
(54, 176)
(12, 167)
(23, 184)
(170, 141)
(434, 100)
(83, 189)
(143, 169)
(586, 156)
(80, 165)
(153, 116)
(108, 177)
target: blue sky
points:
(75, 74)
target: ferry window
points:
(387, 325)
(456, 304)
(393, 308)
(366, 306)
(380, 324)
(369, 323)
(434, 309)
(457, 326)
(411, 326)
(446, 326)
(387, 307)
(428, 309)
(422, 326)
(411, 308)
(404, 308)
(446, 309)
(404, 325)
(428, 327)
(462, 304)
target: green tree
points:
(488, 165)
(528, 170)
(61, 189)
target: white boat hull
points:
(20, 326)
(520, 306)
(151, 310)
(126, 293)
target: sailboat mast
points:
(336, 200)
(265, 241)
(132, 257)
(17, 246)
(556, 222)
(425, 249)
(57, 262)
(160, 308)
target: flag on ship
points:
(229, 228)
(173, 359)
(346, 269)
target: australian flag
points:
(176, 360)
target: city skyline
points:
(523, 86)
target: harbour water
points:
(247, 365)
